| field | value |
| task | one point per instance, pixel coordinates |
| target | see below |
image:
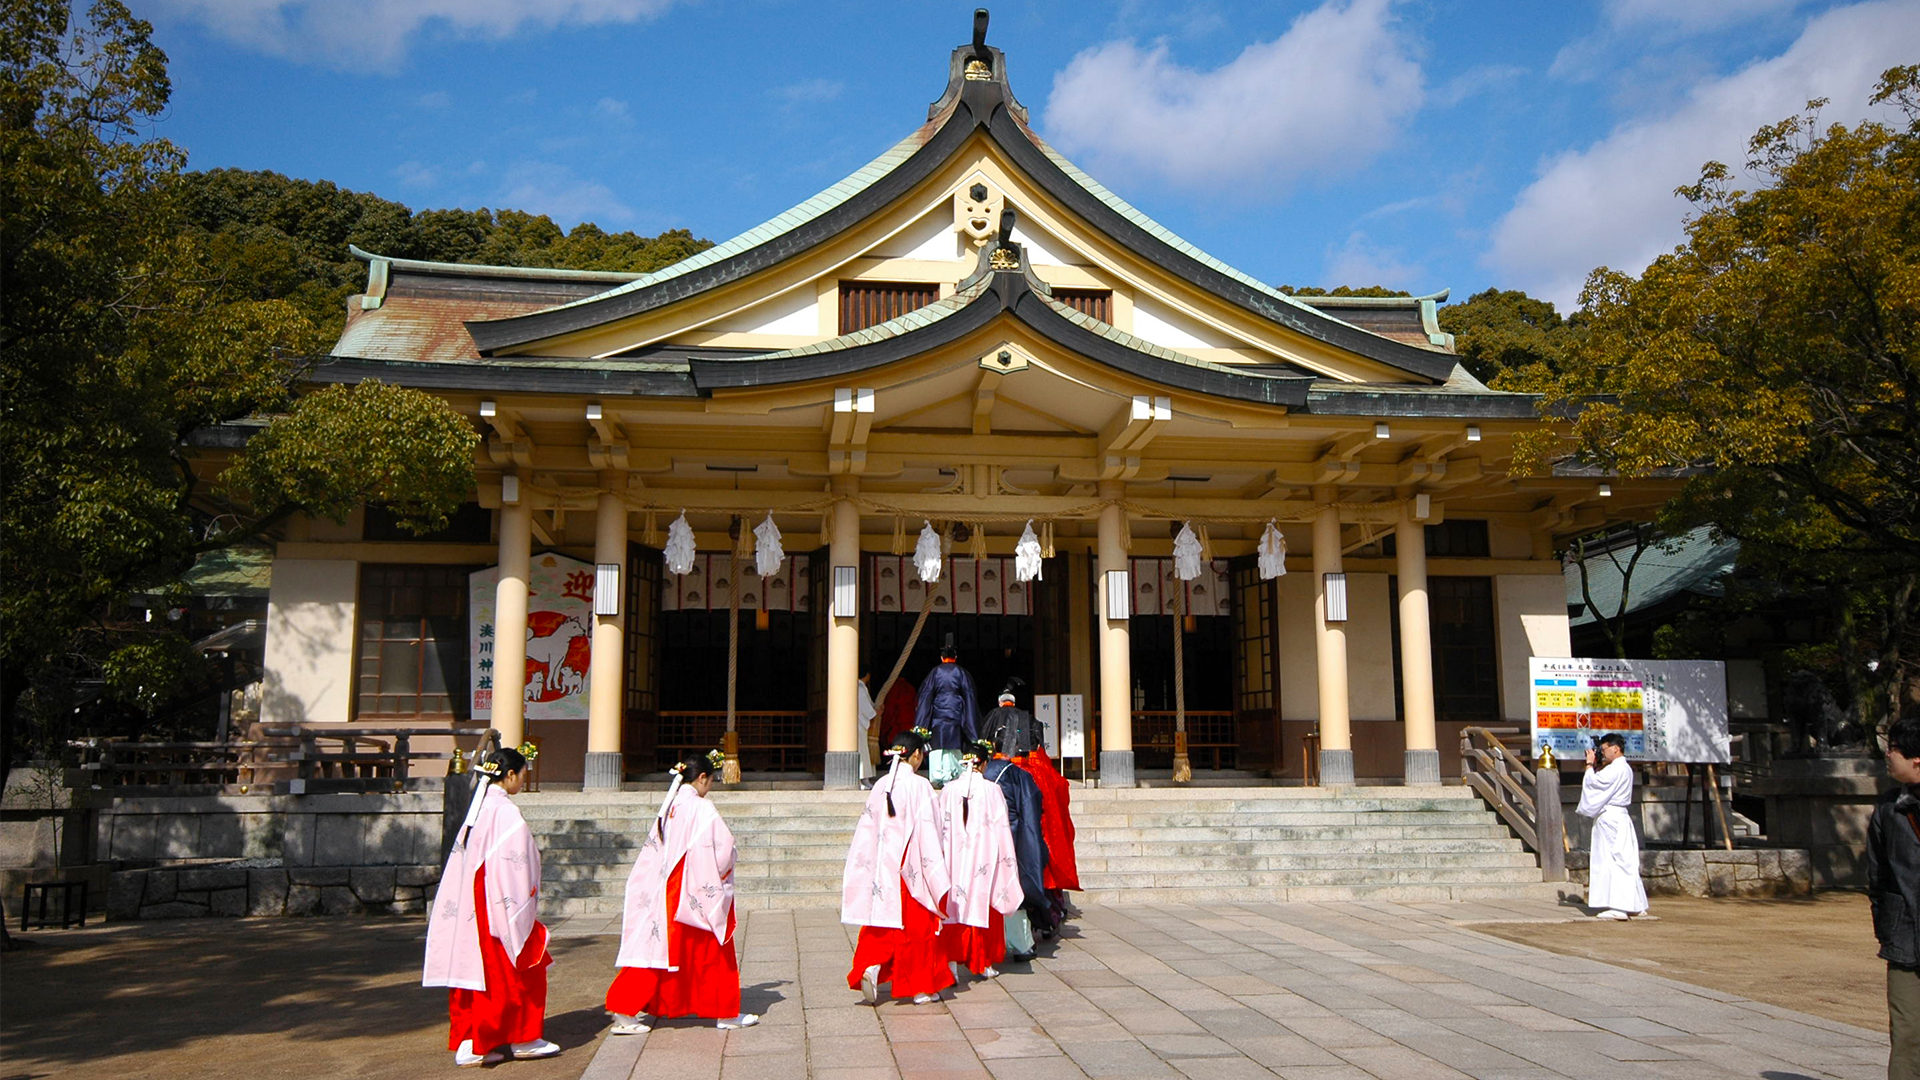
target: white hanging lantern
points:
(1186, 553)
(767, 553)
(1026, 556)
(679, 550)
(926, 554)
(1273, 553)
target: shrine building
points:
(970, 336)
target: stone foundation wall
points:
(1741, 872)
(298, 830)
(227, 889)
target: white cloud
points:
(1359, 263)
(1612, 203)
(608, 108)
(1476, 80)
(416, 174)
(545, 187)
(809, 91)
(378, 33)
(434, 99)
(1692, 16)
(1324, 97)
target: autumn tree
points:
(120, 339)
(1774, 356)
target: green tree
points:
(1773, 357)
(277, 237)
(1508, 338)
(120, 338)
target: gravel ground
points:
(1814, 954)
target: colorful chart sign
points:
(1668, 710)
(559, 637)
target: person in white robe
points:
(1614, 888)
(867, 713)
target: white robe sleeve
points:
(1612, 785)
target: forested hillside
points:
(276, 237)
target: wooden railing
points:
(1528, 800)
(284, 759)
(771, 740)
(1212, 739)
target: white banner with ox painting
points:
(559, 637)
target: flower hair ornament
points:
(924, 733)
(529, 750)
(716, 758)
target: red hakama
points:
(975, 948)
(704, 980)
(911, 958)
(1056, 821)
(513, 1008)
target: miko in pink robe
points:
(981, 865)
(895, 883)
(485, 942)
(677, 955)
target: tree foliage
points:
(1775, 354)
(121, 337)
(276, 237)
(1509, 339)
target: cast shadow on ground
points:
(268, 974)
(760, 998)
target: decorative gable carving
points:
(976, 211)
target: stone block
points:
(133, 836)
(267, 892)
(1796, 868)
(1720, 879)
(415, 906)
(173, 910)
(373, 884)
(320, 875)
(213, 877)
(416, 876)
(1691, 872)
(222, 836)
(177, 836)
(123, 894)
(196, 897)
(303, 899)
(338, 900)
(338, 839)
(392, 839)
(297, 839)
(161, 885)
(228, 902)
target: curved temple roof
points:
(970, 103)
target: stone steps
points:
(1161, 845)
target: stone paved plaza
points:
(1345, 991)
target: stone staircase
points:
(1142, 845)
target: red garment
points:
(911, 958)
(976, 947)
(513, 1008)
(1056, 821)
(897, 712)
(704, 981)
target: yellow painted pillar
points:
(510, 623)
(606, 689)
(1416, 651)
(843, 644)
(1116, 658)
(1330, 649)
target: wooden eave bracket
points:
(1339, 463)
(848, 426)
(510, 444)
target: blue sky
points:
(1418, 144)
